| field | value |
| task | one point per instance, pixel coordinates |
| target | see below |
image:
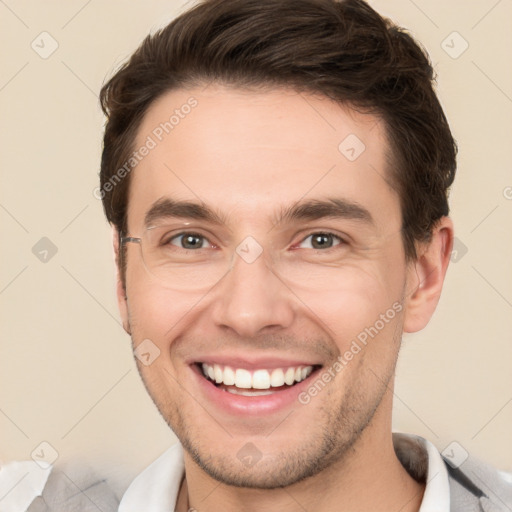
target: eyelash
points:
(340, 240)
(167, 241)
(327, 233)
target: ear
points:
(426, 275)
(122, 300)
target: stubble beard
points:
(337, 428)
(337, 432)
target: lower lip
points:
(250, 405)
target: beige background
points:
(67, 374)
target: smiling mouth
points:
(240, 381)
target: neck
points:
(369, 477)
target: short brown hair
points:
(341, 49)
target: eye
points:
(189, 241)
(320, 241)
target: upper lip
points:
(255, 362)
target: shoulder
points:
(73, 486)
(473, 482)
(456, 481)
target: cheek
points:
(155, 312)
(355, 300)
(157, 317)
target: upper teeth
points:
(257, 379)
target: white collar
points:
(156, 488)
(436, 497)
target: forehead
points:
(249, 153)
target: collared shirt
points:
(20, 483)
(156, 488)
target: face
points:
(271, 279)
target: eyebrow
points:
(169, 208)
(336, 208)
(302, 210)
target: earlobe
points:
(122, 299)
(426, 277)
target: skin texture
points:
(248, 155)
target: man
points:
(276, 173)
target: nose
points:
(251, 299)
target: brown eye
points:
(320, 241)
(189, 241)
